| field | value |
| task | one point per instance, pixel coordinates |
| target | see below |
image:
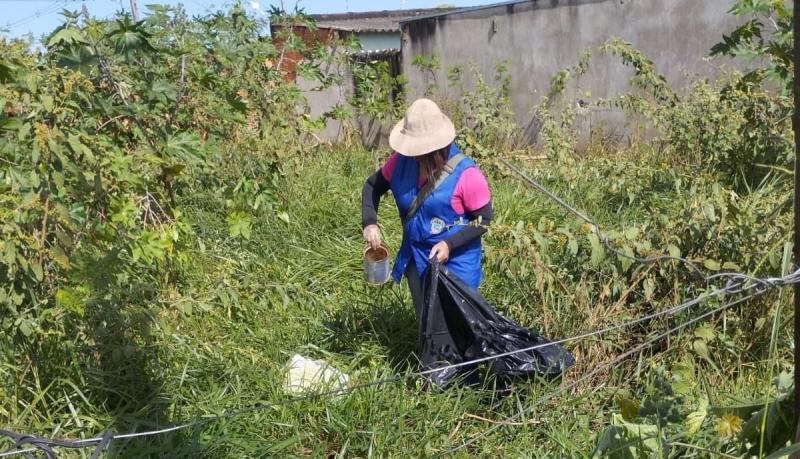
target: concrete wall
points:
(373, 132)
(541, 37)
(321, 100)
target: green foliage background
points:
(172, 231)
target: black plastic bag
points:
(458, 325)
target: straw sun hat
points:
(424, 129)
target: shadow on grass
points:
(376, 315)
(125, 374)
(121, 367)
(187, 443)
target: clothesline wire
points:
(595, 227)
(50, 9)
(735, 285)
(614, 363)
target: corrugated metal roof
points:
(463, 10)
(376, 52)
(373, 21)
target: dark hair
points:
(432, 164)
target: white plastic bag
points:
(307, 375)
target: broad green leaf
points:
(598, 251)
(731, 266)
(63, 237)
(7, 73)
(694, 420)
(649, 288)
(67, 36)
(626, 261)
(79, 58)
(236, 103)
(58, 179)
(626, 440)
(572, 246)
(47, 103)
(130, 38)
(683, 376)
(701, 349)
(784, 381)
(58, 255)
(185, 307)
(708, 212)
(173, 170)
(164, 91)
(27, 328)
(674, 251)
(36, 269)
(10, 124)
(705, 332)
(711, 264)
(629, 408)
(777, 417)
(79, 148)
(9, 252)
(184, 146)
(632, 233)
(123, 211)
(239, 224)
(612, 439)
(24, 131)
(72, 300)
(744, 410)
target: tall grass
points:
(240, 308)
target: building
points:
(378, 33)
(537, 38)
(540, 37)
(375, 30)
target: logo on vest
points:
(437, 225)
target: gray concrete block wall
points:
(541, 37)
(321, 101)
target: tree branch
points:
(181, 87)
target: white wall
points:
(373, 41)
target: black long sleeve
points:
(375, 187)
(469, 233)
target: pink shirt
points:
(472, 189)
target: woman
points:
(438, 191)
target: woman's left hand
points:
(441, 251)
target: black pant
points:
(415, 286)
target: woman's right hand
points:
(372, 234)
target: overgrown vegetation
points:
(172, 232)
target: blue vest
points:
(434, 221)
